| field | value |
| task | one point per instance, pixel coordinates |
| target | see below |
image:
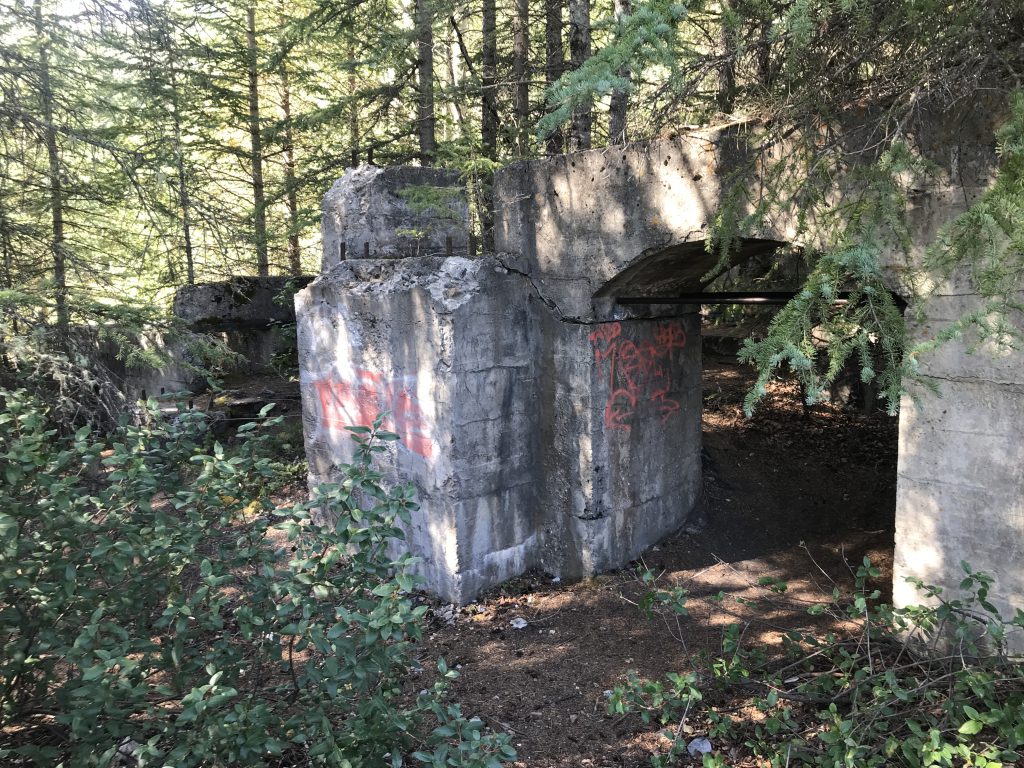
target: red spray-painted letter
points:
(360, 399)
(638, 371)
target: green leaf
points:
(971, 727)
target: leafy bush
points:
(923, 686)
(156, 607)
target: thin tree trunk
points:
(554, 60)
(727, 70)
(454, 65)
(489, 81)
(353, 106)
(57, 246)
(579, 51)
(256, 143)
(488, 116)
(619, 106)
(425, 120)
(520, 75)
(184, 201)
(5, 245)
(764, 50)
(291, 196)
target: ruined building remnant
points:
(540, 430)
(548, 395)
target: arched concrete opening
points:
(792, 480)
(680, 270)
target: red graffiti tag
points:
(637, 370)
(360, 399)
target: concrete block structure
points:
(539, 432)
(394, 213)
(548, 394)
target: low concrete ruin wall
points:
(245, 313)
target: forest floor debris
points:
(793, 499)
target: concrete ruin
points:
(523, 410)
(244, 313)
(548, 395)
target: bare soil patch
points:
(800, 499)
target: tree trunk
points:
(353, 106)
(488, 116)
(579, 51)
(520, 75)
(425, 120)
(488, 82)
(554, 61)
(256, 143)
(454, 65)
(727, 70)
(184, 201)
(619, 107)
(6, 246)
(291, 196)
(57, 246)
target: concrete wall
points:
(244, 313)
(621, 437)
(394, 213)
(577, 222)
(631, 221)
(960, 492)
(446, 346)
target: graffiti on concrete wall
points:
(358, 400)
(638, 370)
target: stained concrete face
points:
(579, 222)
(960, 490)
(446, 346)
(622, 443)
(960, 485)
(394, 213)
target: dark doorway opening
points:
(806, 491)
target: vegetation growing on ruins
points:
(914, 687)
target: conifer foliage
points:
(153, 143)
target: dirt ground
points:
(788, 497)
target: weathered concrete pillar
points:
(960, 492)
(622, 441)
(960, 484)
(445, 345)
(394, 213)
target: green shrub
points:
(155, 602)
(923, 686)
